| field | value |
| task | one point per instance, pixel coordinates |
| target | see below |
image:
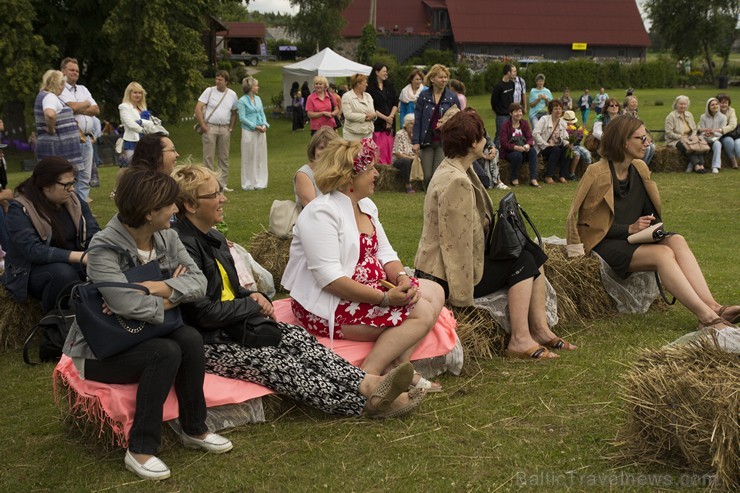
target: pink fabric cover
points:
(113, 405)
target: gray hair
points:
(680, 98)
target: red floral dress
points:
(368, 271)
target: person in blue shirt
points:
(254, 136)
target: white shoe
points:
(715, 171)
(212, 443)
(501, 186)
(152, 469)
(227, 189)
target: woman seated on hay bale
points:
(48, 230)
(457, 216)
(617, 198)
(340, 259)
(304, 182)
(293, 363)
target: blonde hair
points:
(335, 167)
(321, 78)
(248, 82)
(356, 79)
(135, 86)
(52, 81)
(434, 71)
(189, 178)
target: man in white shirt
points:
(216, 114)
(83, 105)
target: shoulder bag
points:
(695, 144)
(197, 127)
(337, 121)
(108, 335)
(283, 215)
(509, 234)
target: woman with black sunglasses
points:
(615, 199)
(48, 229)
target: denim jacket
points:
(423, 113)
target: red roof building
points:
(506, 28)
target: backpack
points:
(53, 329)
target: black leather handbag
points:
(256, 331)
(108, 335)
(509, 234)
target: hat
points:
(570, 116)
(409, 118)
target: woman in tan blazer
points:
(457, 215)
(616, 198)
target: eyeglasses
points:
(169, 150)
(67, 186)
(614, 106)
(644, 138)
(213, 195)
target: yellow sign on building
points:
(580, 46)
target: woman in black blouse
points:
(385, 101)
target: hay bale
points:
(683, 405)
(389, 179)
(272, 253)
(16, 320)
(577, 282)
(479, 333)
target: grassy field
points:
(501, 426)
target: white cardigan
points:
(544, 129)
(129, 118)
(326, 247)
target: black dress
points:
(631, 201)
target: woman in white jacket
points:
(135, 118)
(710, 127)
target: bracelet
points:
(386, 301)
(402, 273)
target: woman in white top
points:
(58, 134)
(358, 110)
(341, 263)
(730, 136)
(710, 127)
(134, 118)
(410, 93)
(304, 182)
(551, 140)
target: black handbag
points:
(108, 335)
(509, 235)
(337, 121)
(256, 331)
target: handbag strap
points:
(115, 248)
(113, 284)
(534, 228)
(662, 292)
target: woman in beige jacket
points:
(615, 199)
(457, 214)
(358, 109)
(680, 123)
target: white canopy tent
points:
(327, 63)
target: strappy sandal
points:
(425, 384)
(560, 343)
(732, 320)
(716, 324)
(415, 398)
(394, 383)
(536, 352)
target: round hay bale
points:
(272, 253)
(389, 179)
(479, 333)
(683, 404)
(577, 282)
(16, 320)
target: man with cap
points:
(579, 152)
(77, 97)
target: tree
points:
(692, 28)
(24, 57)
(368, 44)
(318, 22)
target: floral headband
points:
(367, 155)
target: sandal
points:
(699, 170)
(536, 352)
(425, 384)
(549, 180)
(732, 320)
(415, 398)
(533, 183)
(514, 183)
(394, 383)
(560, 343)
(562, 179)
(716, 324)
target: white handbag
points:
(283, 215)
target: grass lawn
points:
(501, 426)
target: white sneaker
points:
(501, 186)
(153, 468)
(227, 189)
(715, 171)
(212, 443)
